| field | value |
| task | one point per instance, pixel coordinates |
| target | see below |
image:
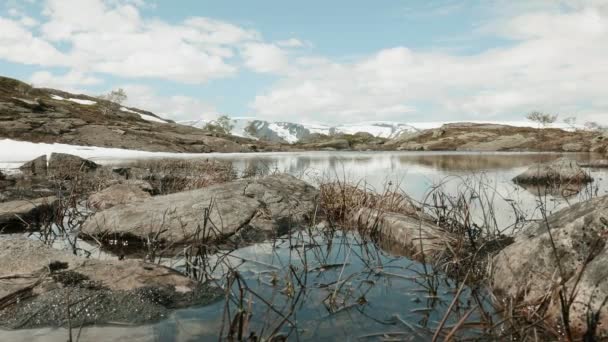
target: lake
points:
(311, 286)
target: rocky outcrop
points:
(51, 116)
(598, 164)
(415, 234)
(333, 144)
(58, 165)
(122, 193)
(66, 163)
(494, 137)
(35, 167)
(556, 172)
(250, 210)
(567, 252)
(19, 215)
(40, 284)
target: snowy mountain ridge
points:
(288, 132)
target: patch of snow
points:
(239, 127)
(143, 116)
(57, 97)
(151, 118)
(82, 102)
(15, 153)
(283, 132)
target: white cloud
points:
(557, 61)
(111, 36)
(291, 42)
(265, 58)
(169, 107)
(70, 81)
(20, 46)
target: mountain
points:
(288, 132)
(54, 116)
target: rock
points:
(338, 144)
(121, 193)
(58, 165)
(560, 171)
(415, 234)
(38, 280)
(527, 271)
(573, 147)
(598, 164)
(62, 164)
(18, 215)
(244, 208)
(36, 167)
(438, 133)
(411, 146)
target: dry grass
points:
(339, 200)
(175, 175)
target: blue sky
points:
(319, 61)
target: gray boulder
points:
(37, 280)
(62, 164)
(573, 147)
(533, 268)
(560, 171)
(121, 193)
(249, 209)
(36, 167)
(18, 215)
(58, 165)
(598, 164)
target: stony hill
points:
(53, 116)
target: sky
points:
(339, 61)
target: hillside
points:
(494, 137)
(53, 116)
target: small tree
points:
(542, 119)
(594, 126)
(223, 124)
(571, 122)
(116, 97)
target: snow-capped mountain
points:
(288, 132)
(292, 132)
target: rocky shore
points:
(165, 208)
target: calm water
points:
(375, 292)
(416, 173)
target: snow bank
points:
(57, 97)
(15, 153)
(143, 116)
(83, 102)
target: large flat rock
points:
(37, 282)
(568, 248)
(271, 205)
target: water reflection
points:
(416, 173)
(381, 290)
